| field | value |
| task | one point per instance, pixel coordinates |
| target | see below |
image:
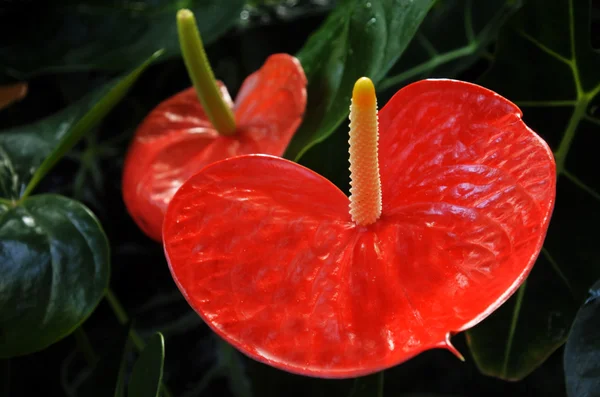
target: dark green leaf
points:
(98, 34)
(148, 369)
(54, 261)
(455, 50)
(359, 38)
(550, 70)
(442, 49)
(28, 152)
(120, 384)
(368, 386)
(582, 353)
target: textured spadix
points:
(266, 252)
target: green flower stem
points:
(123, 318)
(201, 74)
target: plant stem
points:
(196, 62)
(7, 202)
(84, 345)
(123, 319)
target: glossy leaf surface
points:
(54, 261)
(559, 101)
(582, 353)
(94, 34)
(176, 139)
(265, 251)
(28, 152)
(359, 38)
(438, 50)
(53, 252)
(148, 370)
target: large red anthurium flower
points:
(445, 220)
(178, 137)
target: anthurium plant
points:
(267, 198)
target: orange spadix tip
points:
(363, 94)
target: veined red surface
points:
(265, 250)
(176, 139)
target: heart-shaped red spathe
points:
(176, 139)
(265, 250)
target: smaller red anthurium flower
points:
(201, 125)
(448, 211)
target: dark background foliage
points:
(197, 363)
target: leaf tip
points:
(446, 344)
(158, 53)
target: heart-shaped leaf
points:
(359, 38)
(468, 190)
(94, 34)
(442, 49)
(582, 353)
(27, 153)
(54, 261)
(551, 71)
(147, 372)
(53, 252)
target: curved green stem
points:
(84, 345)
(7, 202)
(202, 76)
(137, 340)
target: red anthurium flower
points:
(178, 138)
(445, 220)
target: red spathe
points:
(265, 250)
(176, 139)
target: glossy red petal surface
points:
(461, 144)
(265, 251)
(176, 139)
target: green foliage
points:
(107, 373)
(54, 259)
(54, 255)
(96, 34)
(148, 370)
(551, 71)
(582, 353)
(441, 49)
(359, 38)
(27, 153)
